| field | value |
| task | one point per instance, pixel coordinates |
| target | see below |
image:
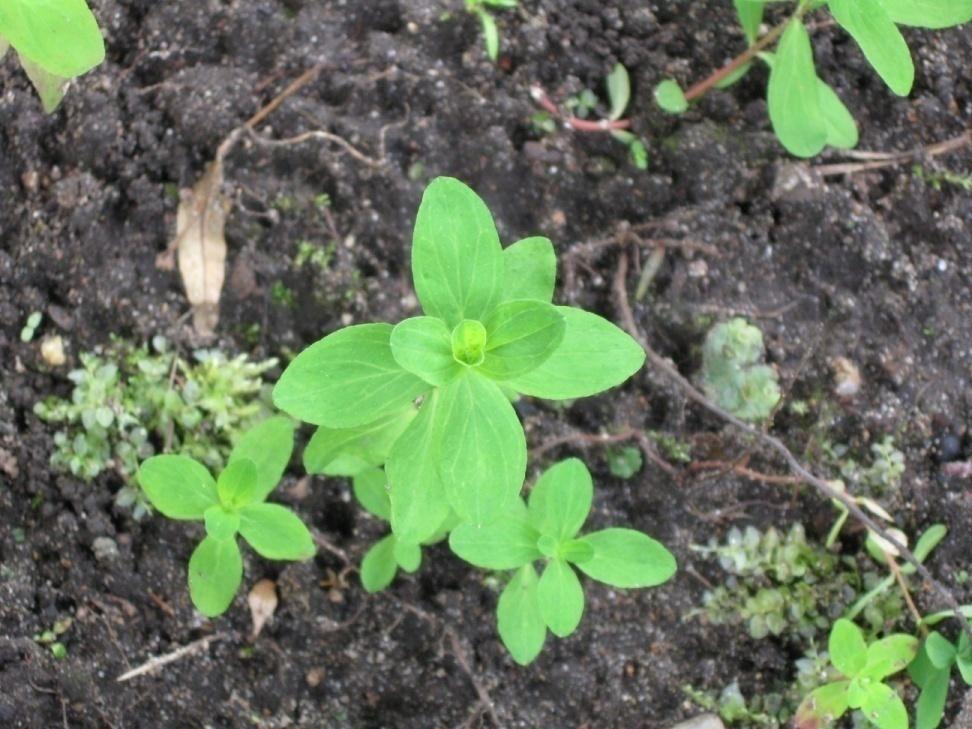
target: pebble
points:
(105, 549)
(705, 721)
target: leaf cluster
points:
(932, 670)
(732, 373)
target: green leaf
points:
(483, 456)
(624, 462)
(408, 556)
(928, 540)
(964, 658)
(884, 708)
(885, 48)
(561, 598)
(60, 36)
(750, 14)
(940, 652)
(378, 567)
(735, 76)
(275, 532)
(423, 346)
(529, 270)
(349, 378)
(889, 655)
(847, 648)
(520, 336)
(575, 550)
(561, 499)
(840, 125)
(490, 35)
(371, 490)
(518, 618)
(670, 97)
(220, 523)
(215, 573)
(179, 487)
(350, 451)
(931, 703)
(457, 260)
(933, 14)
(822, 706)
(268, 445)
(506, 543)
(627, 558)
(793, 95)
(594, 356)
(619, 90)
(237, 483)
(50, 87)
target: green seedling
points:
(932, 670)
(489, 333)
(806, 113)
(547, 528)
(56, 40)
(619, 94)
(235, 503)
(624, 462)
(864, 668)
(480, 8)
(732, 374)
(30, 328)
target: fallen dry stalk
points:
(153, 664)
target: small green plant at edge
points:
(235, 503)
(30, 328)
(490, 31)
(56, 40)
(806, 113)
(731, 373)
(931, 671)
(864, 668)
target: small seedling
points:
(864, 668)
(932, 670)
(480, 8)
(56, 41)
(624, 462)
(731, 373)
(546, 528)
(30, 328)
(235, 503)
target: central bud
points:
(469, 342)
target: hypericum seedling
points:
(864, 668)
(732, 375)
(547, 528)
(932, 670)
(805, 111)
(235, 503)
(489, 333)
(30, 328)
(490, 31)
(56, 41)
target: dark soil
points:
(872, 267)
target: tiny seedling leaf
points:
(750, 14)
(350, 451)
(408, 556)
(237, 484)
(423, 346)
(520, 336)
(215, 573)
(885, 48)
(931, 703)
(50, 87)
(627, 558)
(529, 270)
(933, 14)
(275, 532)
(561, 598)
(670, 97)
(793, 94)
(822, 706)
(490, 35)
(60, 36)
(507, 543)
(847, 648)
(884, 708)
(619, 91)
(840, 125)
(520, 624)
(940, 652)
(561, 499)
(378, 567)
(220, 523)
(179, 487)
(268, 445)
(371, 490)
(889, 655)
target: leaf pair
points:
(235, 503)
(864, 667)
(547, 527)
(931, 671)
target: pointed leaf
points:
(822, 706)
(237, 483)
(529, 270)
(518, 618)
(520, 336)
(793, 95)
(670, 97)
(408, 556)
(750, 17)
(349, 378)
(50, 87)
(963, 659)
(60, 36)
(490, 35)
(847, 648)
(378, 567)
(627, 558)
(889, 655)
(933, 14)
(506, 543)
(275, 532)
(619, 90)
(268, 445)
(885, 48)
(215, 574)
(561, 499)
(371, 490)
(931, 703)
(179, 487)
(423, 346)
(220, 523)
(841, 127)
(561, 598)
(884, 708)
(350, 451)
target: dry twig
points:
(153, 664)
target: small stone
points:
(315, 676)
(705, 721)
(698, 268)
(105, 549)
(847, 378)
(52, 351)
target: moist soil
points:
(873, 267)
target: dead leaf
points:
(263, 604)
(201, 246)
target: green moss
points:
(732, 374)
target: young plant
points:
(932, 670)
(479, 8)
(806, 113)
(619, 94)
(56, 40)
(731, 373)
(489, 333)
(235, 503)
(547, 528)
(864, 668)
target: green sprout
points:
(56, 41)
(931, 671)
(235, 503)
(488, 23)
(547, 528)
(30, 328)
(731, 373)
(864, 668)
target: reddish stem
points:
(575, 123)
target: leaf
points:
(179, 487)
(940, 652)
(889, 655)
(408, 556)
(627, 558)
(822, 706)
(928, 540)
(931, 703)
(483, 456)
(346, 379)
(378, 567)
(883, 46)
(490, 35)
(735, 76)
(619, 91)
(933, 14)
(793, 95)
(50, 87)
(507, 543)
(220, 523)
(60, 36)
(350, 451)
(268, 445)
(520, 336)
(847, 648)
(262, 600)
(529, 270)
(200, 243)
(236, 485)
(575, 550)
(275, 532)
(670, 97)
(521, 627)
(964, 658)
(840, 125)
(561, 499)
(561, 598)
(371, 490)
(457, 260)
(883, 707)
(750, 14)
(423, 346)
(594, 356)
(4, 46)
(215, 574)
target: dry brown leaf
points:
(201, 246)
(263, 604)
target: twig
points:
(573, 122)
(158, 662)
(881, 160)
(317, 134)
(321, 541)
(745, 472)
(592, 439)
(896, 571)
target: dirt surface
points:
(872, 267)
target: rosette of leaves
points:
(56, 40)
(732, 373)
(230, 505)
(548, 528)
(429, 398)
